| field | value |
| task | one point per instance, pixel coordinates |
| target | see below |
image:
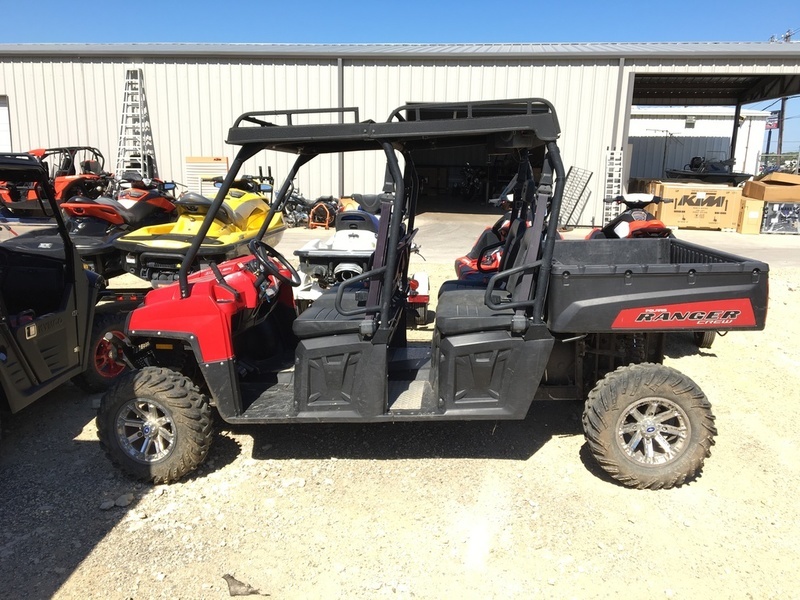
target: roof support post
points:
(620, 103)
(735, 135)
(340, 83)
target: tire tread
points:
(630, 381)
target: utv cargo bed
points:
(653, 284)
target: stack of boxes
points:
(696, 205)
(770, 204)
(776, 196)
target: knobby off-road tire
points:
(421, 316)
(104, 365)
(649, 426)
(155, 425)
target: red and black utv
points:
(561, 320)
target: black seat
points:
(464, 310)
(322, 318)
(127, 215)
(91, 167)
(195, 203)
(371, 202)
(356, 219)
(511, 247)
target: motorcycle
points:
(296, 209)
(155, 253)
(472, 183)
(95, 223)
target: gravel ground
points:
(436, 510)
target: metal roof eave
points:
(750, 50)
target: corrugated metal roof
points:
(647, 112)
(331, 51)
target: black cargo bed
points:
(658, 284)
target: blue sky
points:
(378, 21)
(375, 21)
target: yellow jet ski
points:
(155, 253)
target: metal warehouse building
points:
(71, 94)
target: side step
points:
(411, 396)
(275, 402)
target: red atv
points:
(73, 171)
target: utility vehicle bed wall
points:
(653, 285)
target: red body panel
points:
(154, 197)
(729, 314)
(207, 313)
(87, 209)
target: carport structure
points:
(735, 89)
(65, 94)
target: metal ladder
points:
(613, 188)
(135, 150)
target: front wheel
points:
(155, 425)
(649, 426)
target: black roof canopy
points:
(502, 125)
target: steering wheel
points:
(263, 252)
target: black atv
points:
(48, 305)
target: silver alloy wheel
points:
(653, 431)
(145, 430)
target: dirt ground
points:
(439, 510)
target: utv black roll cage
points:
(502, 127)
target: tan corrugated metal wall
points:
(582, 93)
(193, 102)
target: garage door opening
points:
(464, 179)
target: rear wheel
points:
(421, 315)
(105, 360)
(649, 426)
(155, 425)
(704, 339)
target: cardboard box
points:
(778, 177)
(781, 217)
(750, 216)
(697, 205)
(774, 187)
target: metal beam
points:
(772, 87)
